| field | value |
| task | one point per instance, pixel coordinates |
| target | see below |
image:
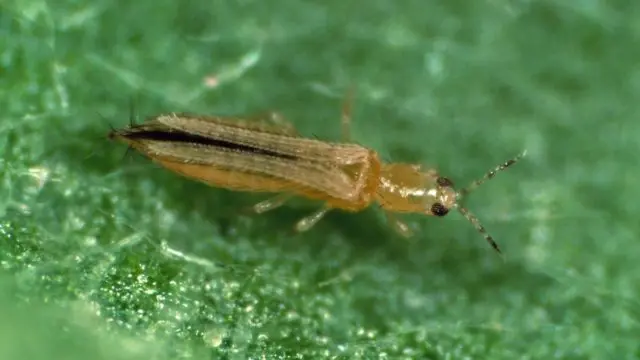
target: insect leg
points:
(399, 226)
(307, 222)
(270, 204)
(279, 120)
(347, 106)
(276, 119)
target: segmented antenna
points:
(472, 218)
(491, 174)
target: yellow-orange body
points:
(258, 157)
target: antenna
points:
(491, 174)
(472, 218)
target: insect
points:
(270, 156)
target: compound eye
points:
(444, 182)
(438, 209)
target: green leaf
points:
(109, 256)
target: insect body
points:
(259, 157)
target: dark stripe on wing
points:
(184, 137)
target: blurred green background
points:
(111, 257)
